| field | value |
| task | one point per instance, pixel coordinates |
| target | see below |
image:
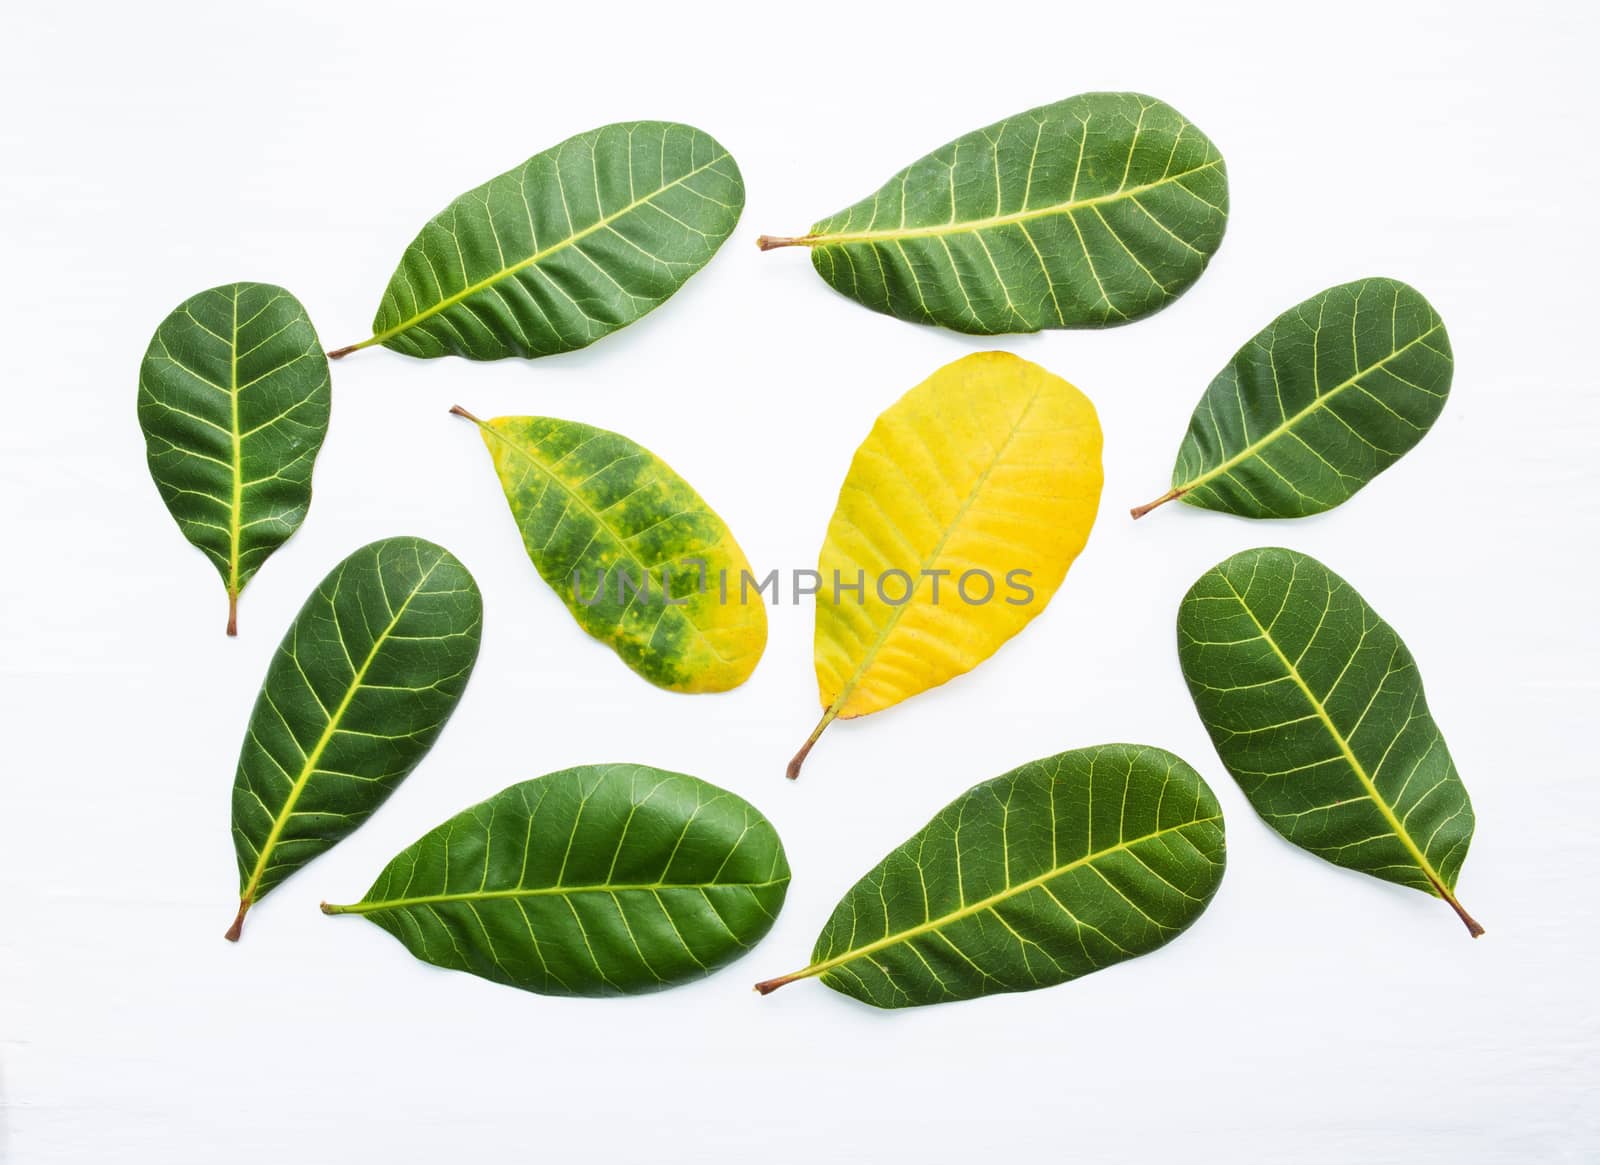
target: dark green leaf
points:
(1087, 212)
(1316, 707)
(596, 880)
(233, 400)
(356, 694)
(1056, 869)
(615, 531)
(573, 244)
(1324, 399)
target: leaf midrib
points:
(537, 257)
(1289, 423)
(309, 768)
(972, 226)
(547, 892)
(1368, 785)
(236, 510)
(934, 925)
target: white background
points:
(151, 151)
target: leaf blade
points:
(591, 503)
(1332, 698)
(1354, 390)
(234, 397)
(1082, 889)
(1014, 486)
(1095, 210)
(356, 693)
(575, 243)
(703, 872)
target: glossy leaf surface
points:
(642, 562)
(1087, 212)
(233, 400)
(1325, 398)
(356, 694)
(596, 880)
(1061, 867)
(982, 480)
(1317, 709)
(573, 244)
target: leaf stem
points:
(768, 986)
(233, 612)
(1170, 496)
(773, 242)
(805, 749)
(341, 353)
(330, 908)
(1472, 924)
(233, 931)
(458, 411)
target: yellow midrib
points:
(944, 920)
(1268, 438)
(315, 755)
(235, 511)
(968, 226)
(548, 892)
(538, 257)
(1356, 766)
(849, 687)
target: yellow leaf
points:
(971, 497)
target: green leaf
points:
(1058, 868)
(233, 400)
(1092, 211)
(1321, 401)
(596, 880)
(356, 694)
(1317, 710)
(573, 244)
(642, 562)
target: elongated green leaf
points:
(1324, 399)
(356, 694)
(233, 400)
(1096, 210)
(596, 880)
(1316, 707)
(573, 244)
(642, 562)
(1056, 869)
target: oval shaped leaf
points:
(1058, 868)
(1317, 710)
(1320, 402)
(356, 694)
(596, 880)
(957, 522)
(1096, 210)
(642, 562)
(233, 400)
(573, 244)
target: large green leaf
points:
(1320, 402)
(1316, 707)
(356, 694)
(569, 246)
(596, 880)
(641, 561)
(1087, 212)
(233, 400)
(1056, 869)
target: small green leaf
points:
(1317, 710)
(1058, 868)
(1092, 211)
(596, 880)
(573, 244)
(233, 400)
(642, 562)
(1321, 401)
(356, 694)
